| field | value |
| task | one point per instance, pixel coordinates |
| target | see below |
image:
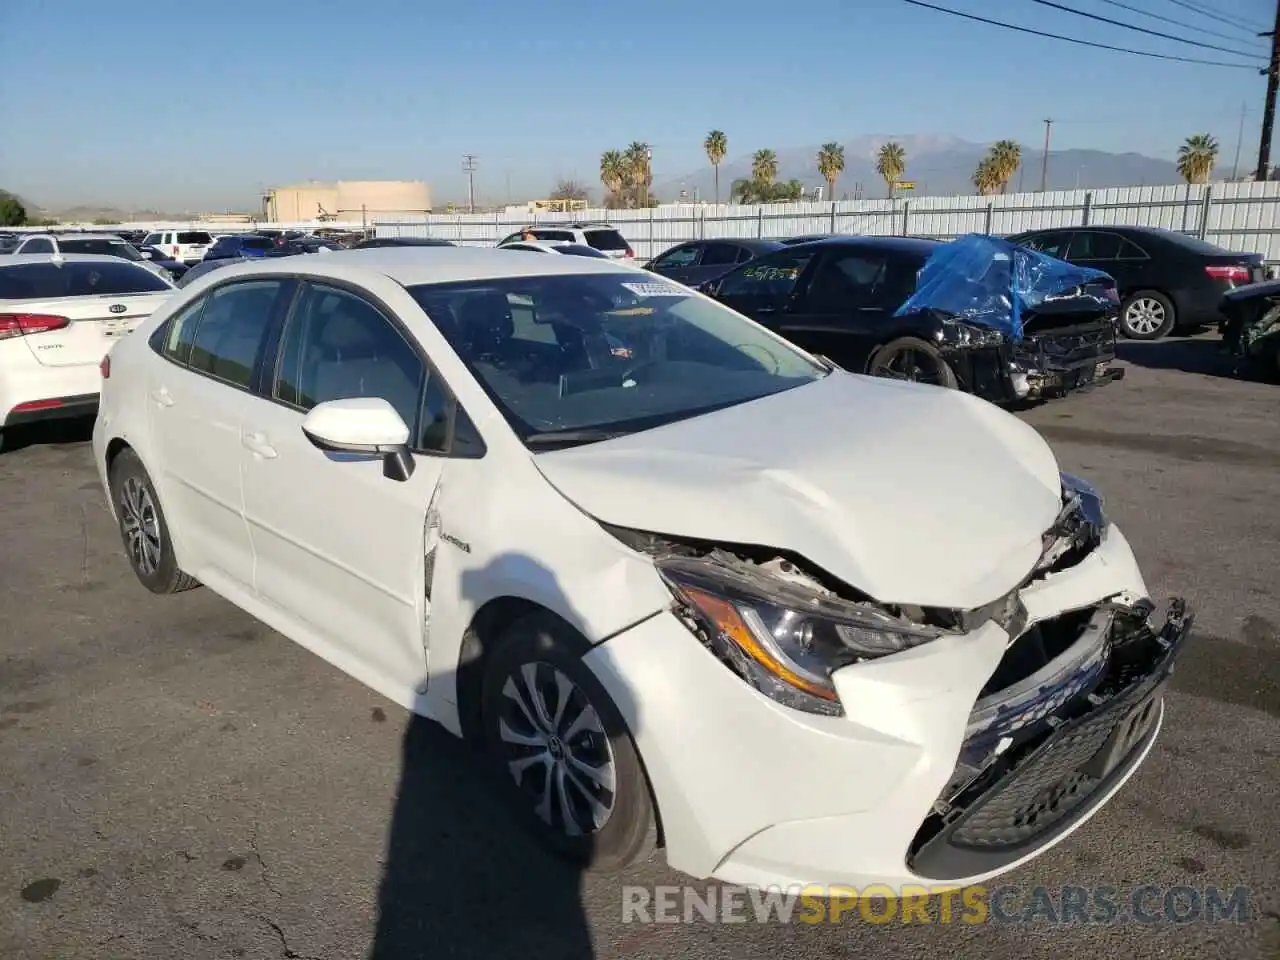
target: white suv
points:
(90, 244)
(715, 584)
(185, 246)
(599, 236)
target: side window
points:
(39, 245)
(151, 239)
(337, 345)
(770, 278)
(1093, 245)
(231, 330)
(745, 254)
(1131, 251)
(846, 281)
(719, 255)
(180, 332)
(678, 258)
(555, 236)
(1053, 244)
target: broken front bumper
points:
(753, 792)
(1035, 770)
(1043, 365)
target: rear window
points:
(1196, 245)
(257, 243)
(194, 236)
(40, 281)
(606, 240)
(105, 248)
(554, 236)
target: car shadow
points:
(1205, 356)
(462, 875)
(55, 433)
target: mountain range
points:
(938, 166)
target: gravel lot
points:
(178, 781)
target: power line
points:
(1215, 15)
(1137, 29)
(1077, 40)
(1176, 23)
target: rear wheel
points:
(910, 358)
(561, 745)
(143, 527)
(1146, 315)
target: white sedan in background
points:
(59, 315)
(820, 628)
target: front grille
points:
(1068, 348)
(1052, 770)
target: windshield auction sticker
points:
(655, 290)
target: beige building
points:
(347, 200)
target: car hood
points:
(911, 494)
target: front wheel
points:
(563, 748)
(910, 358)
(1146, 315)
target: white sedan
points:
(59, 315)
(795, 625)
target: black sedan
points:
(1167, 280)
(838, 298)
(701, 260)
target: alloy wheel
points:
(1144, 316)
(556, 749)
(910, 365)
(140, 521)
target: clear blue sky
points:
(187, 104)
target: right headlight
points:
(782, 637)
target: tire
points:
(143, 528)
(1147, 315)
(541, 652)
(880, 364)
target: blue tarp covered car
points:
(1052, 322)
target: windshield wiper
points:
(571, 437)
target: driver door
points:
(764, 289)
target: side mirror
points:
(367, 426)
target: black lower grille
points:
(1038, 788)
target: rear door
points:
(193, 244)
(71, 313)
(847, 306)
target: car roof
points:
(16, 259)
(114, 237)
(895, 244)
(410, 266)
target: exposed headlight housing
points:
(783, 637)
(961, 334)
(1081, 525)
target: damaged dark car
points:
(1251, 328)
(979, 314)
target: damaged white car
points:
(685, 584)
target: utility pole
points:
(1272, 73)
(1235, 167)
(1044, 161)
(469, 168)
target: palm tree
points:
(639, 175)
(764, 167)
(831, 164)
(1196, 158)
(987, 177)
(716, 145)
(613, 172)
(891, 163)
(1006, 157)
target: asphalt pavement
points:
(177, 781)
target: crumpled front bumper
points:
(1043, 365)
(1053, 760)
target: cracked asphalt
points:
(177, 781)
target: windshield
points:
(108, 248)
(601, 354)
(76, 278)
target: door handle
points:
(257, 443)
(162, 397)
